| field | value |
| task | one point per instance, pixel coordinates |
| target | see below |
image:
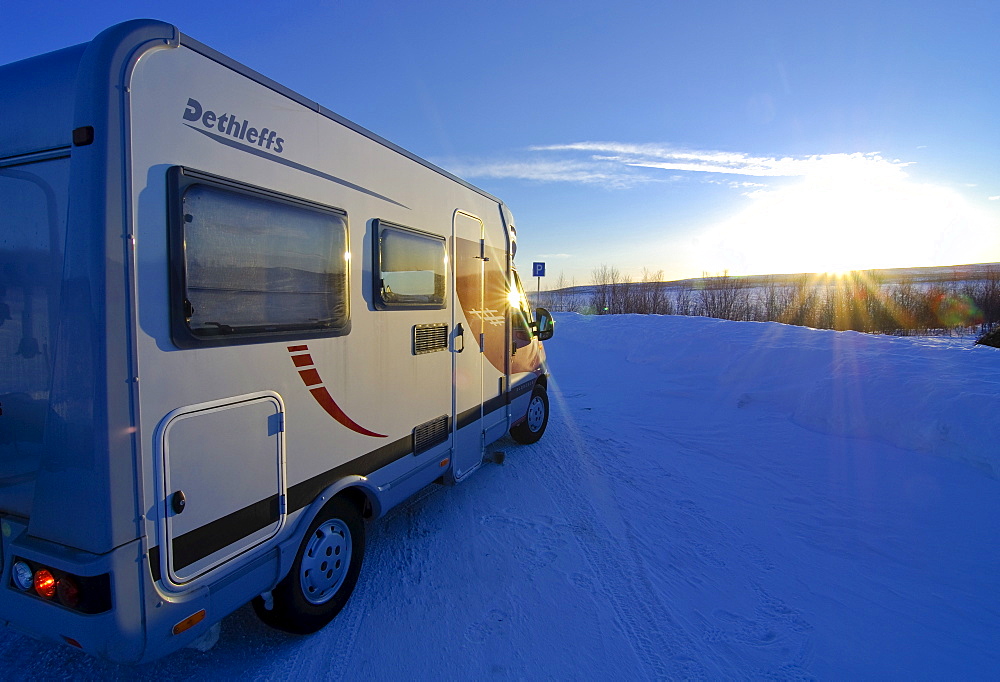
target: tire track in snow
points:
(682, 554)
(658, 642)
(326, 655)
(331, 653)
(738, 635)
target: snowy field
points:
(713, 500)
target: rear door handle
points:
(178, 501)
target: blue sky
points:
(687, 137)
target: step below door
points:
(222, 482)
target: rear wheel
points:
(323, 575)
(532, 428)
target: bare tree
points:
(725, 297)
(653, 297)
(621, 292)
(861, 300)
(601, 279)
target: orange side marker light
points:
(189, 622)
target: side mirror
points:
(544, 324)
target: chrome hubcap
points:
(325, 562)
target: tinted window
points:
(410, 268)
(256, 265)
(32, 234)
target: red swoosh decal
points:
(327, 402)
(310, 377)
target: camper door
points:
(468, 310)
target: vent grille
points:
(428, 338)
(429, 434)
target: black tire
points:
(322, 578)
(537, 418)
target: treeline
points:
(861, 301)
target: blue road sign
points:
(538, 269)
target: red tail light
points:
(85, 594)
(68, 592)
(45, 584)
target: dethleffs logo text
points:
(230, 124)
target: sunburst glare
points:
(862, 214)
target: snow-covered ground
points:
(713, 500)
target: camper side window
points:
(252, 267)
(410, 268)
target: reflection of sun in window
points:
(411, 267)
(410, 282)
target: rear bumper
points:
(142, 623)
(115, 634)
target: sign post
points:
(538, 271)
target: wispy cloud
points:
(540, 169)
(729, 163)
(620, 165)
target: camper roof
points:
(38, 97)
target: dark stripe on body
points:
(471, 416)
(210, 538)
(302, 494)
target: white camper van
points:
(233, 326)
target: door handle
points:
(459, 334)
(178, 501)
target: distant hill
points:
(927, 275)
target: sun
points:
(853, 217)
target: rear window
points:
(250, 266)
(32, 239)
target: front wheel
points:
(323, 575)
(532, 428)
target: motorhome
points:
(234, 328)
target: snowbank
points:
(931, 395)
